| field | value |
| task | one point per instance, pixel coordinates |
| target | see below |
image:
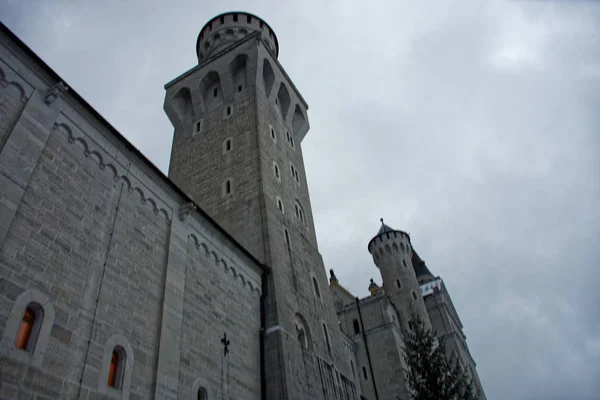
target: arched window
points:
(316, 285)
(202, 395)
(356, 326)
(117, 366)
(29, 328)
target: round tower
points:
(392, 251)
(225, 29)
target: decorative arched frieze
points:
(228, 266)
(9, 77)
(116, 171)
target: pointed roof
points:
(384, 228)
(421, 269)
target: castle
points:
(117, 282)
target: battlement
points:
(389, 244)
(225, 29)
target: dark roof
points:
(384, 228)
(419, 265)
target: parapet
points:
(227, 28)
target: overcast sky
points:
(473, 125)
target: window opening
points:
(215, 91)
(222, 20)
(327, 339)
(24, 339)
(273, 133)
(365, 373)
(414, 295)
(235, 17)
(287, 239)
(227, 145)
(115, 372)
(248, 18)
(404, 263)
(239, 88)
(398, 284)
(227, 187)
(316, 285)
(228, 110)
(356, 326)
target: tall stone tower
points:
(392, 253)
(237, 151)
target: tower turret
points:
(226, 29)
(392, 251)
(239, 122)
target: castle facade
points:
(117, 282)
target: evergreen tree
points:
(430, 375)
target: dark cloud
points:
(474, 127)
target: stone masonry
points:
(207, 284)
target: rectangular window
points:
(215, 91)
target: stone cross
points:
(226, 344)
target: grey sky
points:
(473, 125)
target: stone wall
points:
(93, 236)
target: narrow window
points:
(273, 133)
(210, 26)
(356, 326)
(297, 214)
(222, 20)
(414, 295)
(365, 373)
(198, 126)
(293, 171)
(276, 170)
(280, 205)
(287, 239)
(316, 285)
(117, 366)
(261, 25)
(228, 110)
(292, 140)
(235, 17)
(249, 19)
(215, 92)
(202, 395)
(353, 371)
(227, 187)
(404, 263)
(398, 284)
(327, 339)
(25, 339)
(239, 88)
(228, 145)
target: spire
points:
(384, 228)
